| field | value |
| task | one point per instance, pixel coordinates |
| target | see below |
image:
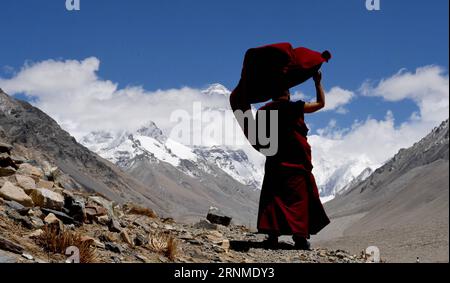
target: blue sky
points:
(174, 43)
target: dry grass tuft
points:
(165, 244)
(54, 240)
(172, 249)
(139, 210)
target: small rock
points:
(99, 244)
(48, 199)
(9, 246)
(108, 205)
(197, 254)
(51, 219)
(215, 237)
(215, 216)
(113, 247)
(36, 222)
(115, 259)
(66, 219)
(103, 220)
(71, 227)
(205, 224)
(114, 226)
(140, 240)
(26, 183)
(45, 184)
(195, 242)
(126, 238)
(28, 256)
(142, 258)
(12, 192)
(36, 234)
(37, 212)
(226, 245)
(93, 211)
(218, 249)
(106, 238)
(140, 223)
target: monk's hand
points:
(317, 77)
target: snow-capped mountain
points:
(334, 177)
(122, 147)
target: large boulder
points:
(26, 183)
(217, 217)
(11, 192)
(74, 206)
(30, 170)
(108, 205)
(48, 199)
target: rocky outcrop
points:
(47, 199)
(11, 192)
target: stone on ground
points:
(11, 192)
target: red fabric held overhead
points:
(270, 70)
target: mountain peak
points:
(150, 129)
(216, 90)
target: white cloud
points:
(371, 142)
(73, 94)
(335, 99)
(427, 87)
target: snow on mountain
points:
(120, 148)
(333, 177)
(235, 163)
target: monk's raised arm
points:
(311, 107)
(242, 110)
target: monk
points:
(289, 202)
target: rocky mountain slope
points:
(158, 185)
(41, 219)
(402, 207)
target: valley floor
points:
(404, 244)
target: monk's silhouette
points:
(289, 202)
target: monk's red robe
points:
(289, 202)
